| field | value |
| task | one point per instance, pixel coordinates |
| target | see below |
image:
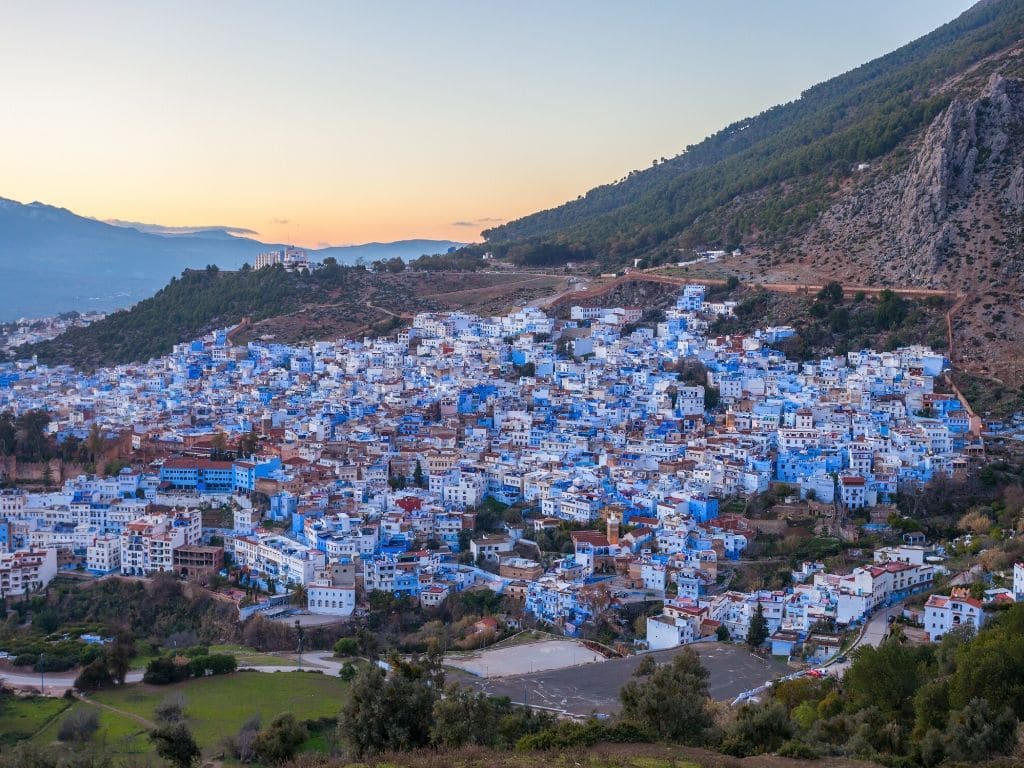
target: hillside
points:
(54, 260)
(938, 123)
(288, 306)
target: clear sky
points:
(343, 122)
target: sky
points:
(346, 122)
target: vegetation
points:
(831, 323)
(196, 303)
(799, 150)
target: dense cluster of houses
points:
(376, 454)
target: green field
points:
(249, 657)
(216, 706)
(22, 719)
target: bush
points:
(281, 739)
(171, 709)
(164, 671)
(564, 735)
(798, 750)
(214, 664)
(79, 725)
(346, 646)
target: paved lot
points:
(594, 688)
(524, 659)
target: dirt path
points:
(147, 724)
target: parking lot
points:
(525, 659)
(594, 688)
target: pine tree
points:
(758, 631)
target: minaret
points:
(613, 529)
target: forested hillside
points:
(190, 305)
(804, 152)
(327, 303)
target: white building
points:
(26, 570)
(943, 613)
(104, 554)
(272, 556)
(328, 599)
(490, 547)
(148, 543)
(1018, 581)
(433, 596)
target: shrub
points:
(79, 725)
(214, 664)
(94, 676)
(171, 709)
(346, 646)
(798, 750)
(164, 671)
(281, 739)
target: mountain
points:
(892, 157)
(53, 260)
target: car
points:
(842, 659)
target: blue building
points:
(200, 475)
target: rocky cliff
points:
(951, 217)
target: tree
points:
(94, 443)
(93, 676)
(417, 475)
(175, 744)
(831, 293)
(671, 702)
(466, 717)
(391, 712)
(758, 728)
(248, 444)
(163, 671)
(597, 597)
(218, 445)
(886, 678)
(980, 731)
(722, 634)
(758, 631)
(281, 739)
(120, 657)
(346, 646)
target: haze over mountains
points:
(53, 260)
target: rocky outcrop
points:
(953, 215)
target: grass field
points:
(216, 706)
(22, 719)
(248, 657)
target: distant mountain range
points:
(53, 260)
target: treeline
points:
(833, 323)
(194, 662)
(960, 700)
(191, 305)
(855, 117)
(25, 437)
